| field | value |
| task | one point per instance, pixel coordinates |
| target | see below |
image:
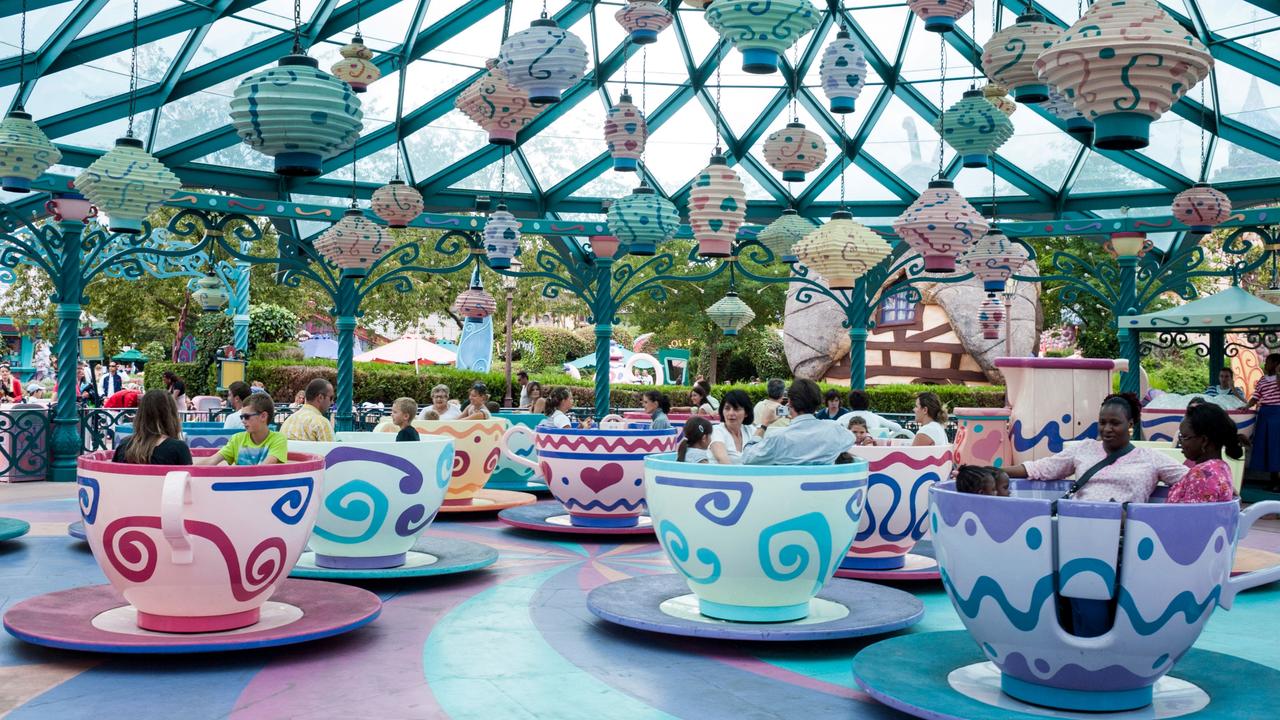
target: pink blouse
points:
(1132, 478)
(1210, 481)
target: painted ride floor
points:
(513, 641)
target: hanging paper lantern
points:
(1009, 57)
(1078, 126)
(940, 15)
(842, 251)
(543, 60)
(730, 313)
(1128, 244)
(698, 4)
(474, 303)
(843, 70)
(356, 66)
(127, 184)
(501, 238)
(940, 225)
(997, 95)
(993, 259)
(297, 114)
(794, 150)
(496, 105)
(717, 207)
(991, 317)
(975, 128)
(762, 30)
(1123, 64)
(354, 243)
(644, 19)
(1201, 207)
(625, 131)
(25, 152)
(643, 219)
(209, 293)
(781, 235)
(397, 203)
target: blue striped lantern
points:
(843, 71)
(762, 29)
(781, 235)
(298, 114)
(127, 184)
(643, 219)
(543, 60)
(25, 152)
(975, 128)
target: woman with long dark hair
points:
(157, 434)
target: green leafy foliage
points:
(1180, 371)
(544, 347)
(278, 351)
(194, 375)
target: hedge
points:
(376, 382)
(193, 375)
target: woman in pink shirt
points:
(1111, 468)
(1205, 432)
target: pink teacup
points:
(196, 548)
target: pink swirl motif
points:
(461, 462)
(491, 462)
(130, 551)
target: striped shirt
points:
(1267, 391)
(306, 423)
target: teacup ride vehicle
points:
(595, 474)
(476, 450)
(379, 497)
(511, 475)
(755, 548)
(197, 558)
(895, 518)
(1078, 607)
(197, 435)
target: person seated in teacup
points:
(806, 440)
(831, 409)
(735, 430)
(403, 411)
(860, 404)
(930, 415)
(701, 402)
(657, 404)
(1205, 432)
(1111, 468)
(299, 399)
(978, 480)
(478, 409)
(536, 403)
(237, 393)
(157, 434)
(697, 438)
(311, 422)
(559, 403)
(445, 409)
(861, 433)
(428, 414)
(258, 444)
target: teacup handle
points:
(174, 497)
(1255, 578)
(614, 420)
(506, 449)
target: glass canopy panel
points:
(41, 23)
(279, 13)
(750, 185)
(377, 167)
(1101, 174)
(906, 144)
(1039, 148)
(103, 78)
(1175, 144)
(238, 155)
(702, 37)
(195, 114)
(661, 63)
(610, 34)
(976, 183)
(489, 179)
(573, 140)
(225, 37)
(680, 148)
(858, 186)
(438, 10)
(1231, 18)
(741, 107)
(920, 63)
(103, 136)
(6, 95)
(120, 13)
(1232, 163)
(387, 29)
(609, 184)
(884, 26)
(1257, 106)
(442, 143)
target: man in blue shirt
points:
(1226, 386)
(807, 440)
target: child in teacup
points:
(403, 411)
(861, 435)
(978, 480)
(696, 440)
(258, 444)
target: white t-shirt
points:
(698, 455)
(875, 423)
(765, 410)
(452, 413)
(934, 431)
(233, 421)
(720, 434)
(557, 419)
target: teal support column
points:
(1131, 381)
(857, 314)
(239, 309)
(603, 315)
(1217, 355)
(346, 311)
(65, 444)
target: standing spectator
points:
(86, 388)
(831, 409)
(1226, 386)
(237, 393)
(806, 440)
(767, 409)
(522, 378)
(10, 386)
(113, 381)
(310, 422)
(1266, 433)
(176, 388)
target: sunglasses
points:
(249, 416)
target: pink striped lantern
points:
(354, 243)
(1201, 207)
(475, 302)
(643, 20)
(940, 225)
(1009, 57)
(496, 105)
(397, 203)
(993, 259)
(717, 208)
(940, 15)
(625, 131)
(998, 95)
(794, 150)
(991, 317)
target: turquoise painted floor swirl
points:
(513, 642)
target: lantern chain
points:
(506, 19)
(1204, 159)
(22, 51)
(644, 103)
(133, 71)
(354, 160)
(297, 27)
(942, 98)
(844, 155)
(716, 120)
(502, 177)
(544, 9)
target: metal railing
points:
(25, 441)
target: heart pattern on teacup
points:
(605, 476)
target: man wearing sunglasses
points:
(113, 381)
(310, 422)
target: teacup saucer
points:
(94, 618)
(552, 517)
(11, 528)
(944, 676)
(487, 501)
(76, 530)
(920, 564)
(429, 556)
(843, 609)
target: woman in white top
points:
(559, 403)
(445, 409)
(930, 415)
(479, 407)
(735, 430)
